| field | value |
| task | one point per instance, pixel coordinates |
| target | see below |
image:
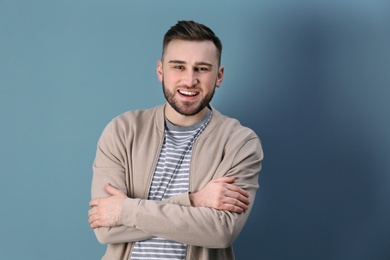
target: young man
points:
(176, 181)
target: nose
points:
(190, 79)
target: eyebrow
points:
(201, 63)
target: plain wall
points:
(310, 77)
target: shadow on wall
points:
(319, 194)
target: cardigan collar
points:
(214, 121)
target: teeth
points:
(188, 93)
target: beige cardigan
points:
(126, 157)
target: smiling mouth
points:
(188, 93)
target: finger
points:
(92, 211)
(243, 199)
(94, 224)
(91, 219)
(235, 205)
(94, 221)
(232, 208)
(225, 179)
(237, 196)
(235, 188)
(94, 202)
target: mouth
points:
(188, 93)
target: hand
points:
(106, 212)
(221, 194)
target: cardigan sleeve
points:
(200, 226)
(108, 167)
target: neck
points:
(181, 120)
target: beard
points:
(186, 108)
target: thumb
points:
(112, 190)
(225, 179)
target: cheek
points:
(211, 82)
(171, 77)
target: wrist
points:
(192, 198)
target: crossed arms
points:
(211, 216)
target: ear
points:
(159, 70)
(221, 70)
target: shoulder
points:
(227, 137)
(136, 115)
(230, 128)
(134, 121)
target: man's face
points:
(189, 73)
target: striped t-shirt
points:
(170, 178)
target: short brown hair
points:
(192, 31)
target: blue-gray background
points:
(310, 77)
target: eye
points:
(201, 69)
(179, 67)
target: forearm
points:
(120, 234)
(190, 225)
(126, 234)
(199, 226)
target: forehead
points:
(191, 51)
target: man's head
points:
(191, 31)
(189, 71)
